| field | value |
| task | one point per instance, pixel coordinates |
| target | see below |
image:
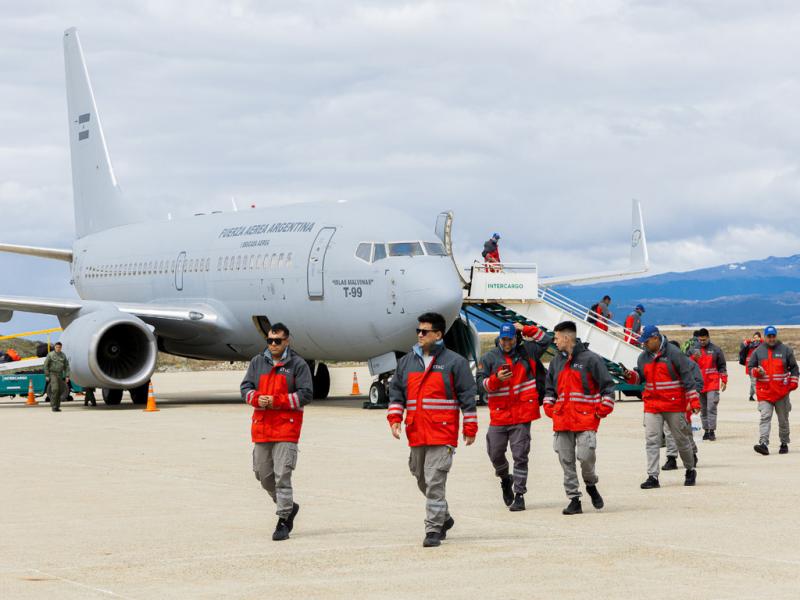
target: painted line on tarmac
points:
(80, 585)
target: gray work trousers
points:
(580, 445)
(672, 447)
(782, 408)
(273, 463)
(681, 432)
(752, 387)
(518, 436)
(57, 390)
(708, 410)
(430, 465)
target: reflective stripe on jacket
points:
(431, 397)
(289, 383)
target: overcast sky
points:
(540, 120)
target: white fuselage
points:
(276, 264)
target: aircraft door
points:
(316, 263)
(179, 265)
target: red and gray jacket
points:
(289, 383)
(579, 390)
(669, 385)
(633, 327)
(515, 400)
(711, 360)
(432, 397)
(781, 372)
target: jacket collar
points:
(286, 354)
(437, 349)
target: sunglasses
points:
(424, 332)
(275, 341)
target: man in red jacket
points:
(711, 360)
(579, 392)
(277, 385)
(669, 388)
(431, 384)
(508, 373)
(775, 368)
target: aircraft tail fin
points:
(640, 258)
(96, 193)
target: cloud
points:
(540, 120)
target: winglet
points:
(640, 259)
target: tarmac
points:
(120, 503)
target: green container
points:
(17, 384)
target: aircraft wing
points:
(160, 316)
(640, 259)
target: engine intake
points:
(110, 349)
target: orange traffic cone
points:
(356, 391)
(31, 398)
(151, 400)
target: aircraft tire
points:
(112, 397)
(322, 382)
(378, 395)
(139, 394)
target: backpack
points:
(743, 354)
(590, 318)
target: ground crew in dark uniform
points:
(431, 384)
(56, 372)
(277, 385)
(508, 374)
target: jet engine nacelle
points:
(110, 349)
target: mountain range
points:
(755, 292)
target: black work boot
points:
(281, 531)
(518, 504)
(432, 539)
(650, 483)
(761, 449)
(292, 515)
(712, 436)
(671, 464)
(691, 477)
(506, 484)
(705, 435)
(573, 508)
(448, 525)
(784, 449)
(597, 499)
(85, 401)
(752, 399)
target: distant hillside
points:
(749, 293)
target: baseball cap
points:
(496, 235)
(507, 330)
(770, 330)
(639, 307)
(649, 331)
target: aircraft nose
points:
(435, 290)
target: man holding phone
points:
(508, 374)
(277, 385)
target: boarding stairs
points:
(501, 293)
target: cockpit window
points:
(435, 249)
(405, 249)
(364, 252)
(380, 252)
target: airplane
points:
(349, 280)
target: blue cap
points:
(649, 331)
(770, 330)
(496, 235)
(507, 330)
(639, 307)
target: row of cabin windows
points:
(242, 262)
(374, 251)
